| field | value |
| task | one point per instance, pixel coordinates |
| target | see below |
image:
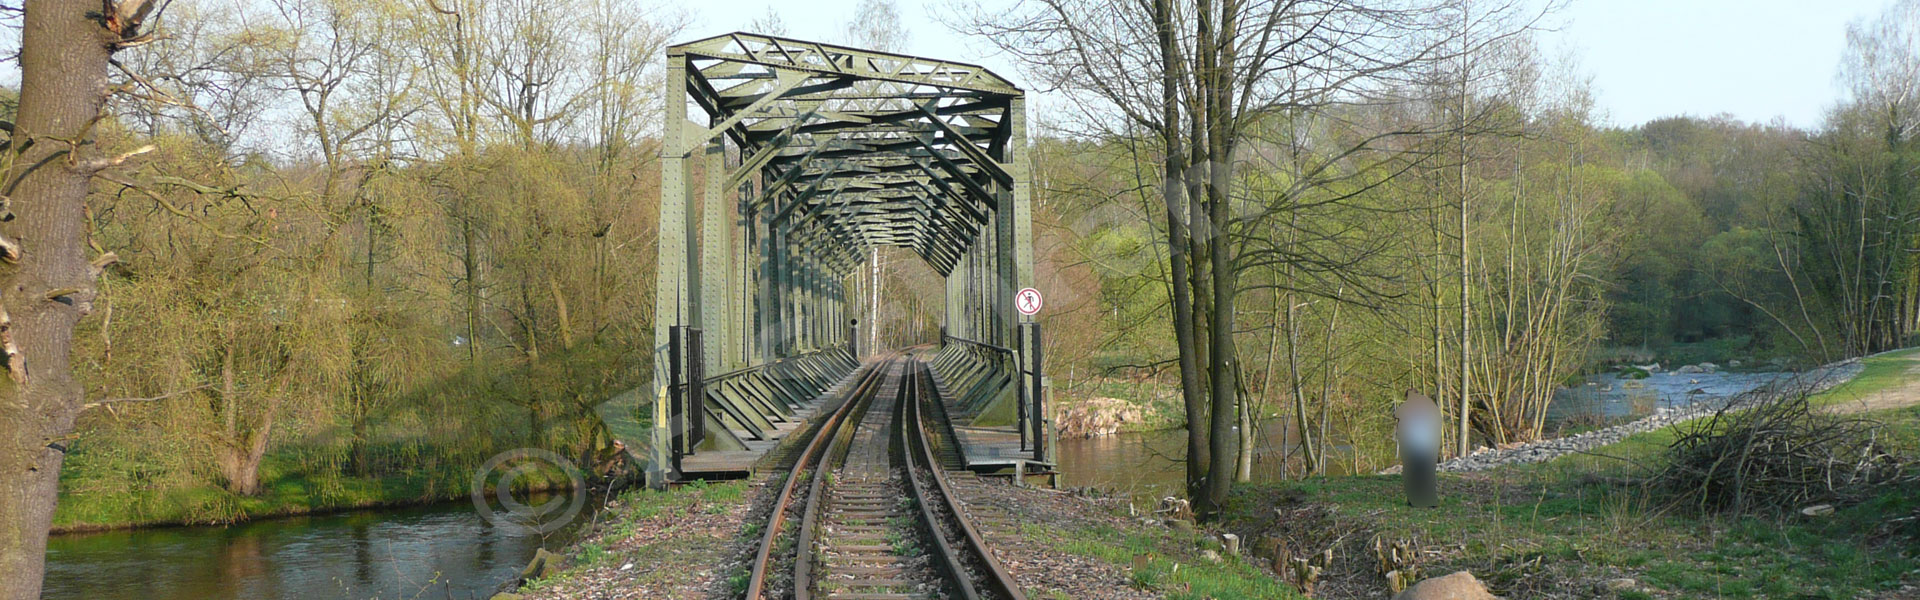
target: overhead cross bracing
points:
(808, 155)
(862, 148)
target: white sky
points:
(1757, 60)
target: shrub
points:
(1775, 450)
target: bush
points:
(1775, 450)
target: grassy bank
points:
(665, 544)
(1581, 526)
(96, 493)
(1177, 564)
(285, 490)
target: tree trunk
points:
(241, 450)
(1466, 297)
(63, 62)
(470, 263)
(1299, 392)
(1330, 372)
(1244, 473)
(1217, 62)
(1172, 185)
(1266, 376)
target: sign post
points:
(1030, 420)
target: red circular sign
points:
(1028, 301)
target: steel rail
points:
(756, 583)
(995, 579)
(810, 517)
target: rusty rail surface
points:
(962, 565)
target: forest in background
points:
(361, 247)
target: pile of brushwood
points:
(1774, 451)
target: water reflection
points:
(443, 551)
(1152, 465)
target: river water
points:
(1148, 465)
(1611, 395)
(430, 552)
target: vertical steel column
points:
(955, 301)
(796, 297)
(670, 291)
(780, 303)
(1032, 422)
(976, 285)
(716, 244)
(1017, 164)
(692, 277)
(739, 342)
(764, 311)
(805, 307)
(1006, 282)
(1032, 379)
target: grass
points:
(1564, 538)
(95, 493)
(1561, 528)
(1880, 372)
(1175, 566)
(629, 533)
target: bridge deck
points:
(987, 448)
(721, 464)
(740, 463)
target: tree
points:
(769, 23)
(64, 49)
(1216, 69)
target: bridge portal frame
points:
(811, 153)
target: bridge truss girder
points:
(808, 155)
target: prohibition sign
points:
(1028, 301)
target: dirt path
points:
(1900, 395)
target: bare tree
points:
(1218, 68)
(769, 23)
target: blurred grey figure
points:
(1419, 436)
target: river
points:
(1148, 465)
(429, 552)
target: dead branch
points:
(158, 398)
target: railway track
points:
(867, 511)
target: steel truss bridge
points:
(805, 156)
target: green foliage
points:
(1174, 566)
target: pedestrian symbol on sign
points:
(1028, 301)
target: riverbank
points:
(91, 501)
(1816, 381)
(1582, 524)
(1105, 406)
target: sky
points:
(1757, 60)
